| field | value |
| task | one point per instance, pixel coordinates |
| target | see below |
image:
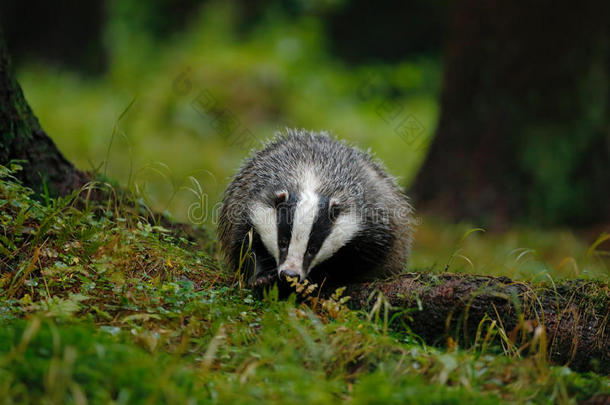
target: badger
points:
(312, 207)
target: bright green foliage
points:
(99, 305)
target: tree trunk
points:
(22, 138)
(573, 315)
(524, 130)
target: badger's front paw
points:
(265, 279)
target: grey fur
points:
(353, 177)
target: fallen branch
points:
(567, 320)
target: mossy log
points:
(45, 169)
(569, 319)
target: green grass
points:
(98, 305)
(521, 252)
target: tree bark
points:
(524, 130)
(45, 169)
(571, 316)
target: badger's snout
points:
(289, 272)
(290, 268)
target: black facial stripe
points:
(319, 232)
(285, 216)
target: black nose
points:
(289, 273)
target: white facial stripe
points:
(302, 222)
(264, 220)
(304, 216)
(344, 229)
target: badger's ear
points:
(334, 208)
(281, 197)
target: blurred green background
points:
(261, 78)
(199, 83)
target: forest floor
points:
(98, 305)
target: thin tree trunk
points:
(22, 138)
(569, 318)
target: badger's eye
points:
(334, 209)
(310, 251)
(283, 243)
(280, 198)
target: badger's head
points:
(302, 228)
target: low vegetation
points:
(101, 304)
